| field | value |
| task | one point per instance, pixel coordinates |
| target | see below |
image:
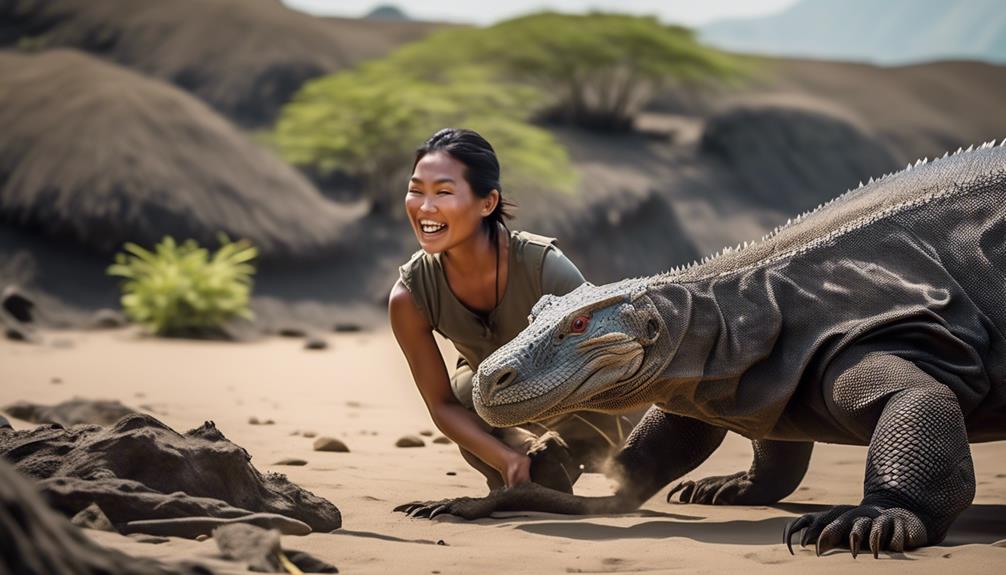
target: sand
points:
(359, 391)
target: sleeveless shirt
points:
(536, 267)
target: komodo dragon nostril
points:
(505, 379)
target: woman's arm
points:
(415, 337)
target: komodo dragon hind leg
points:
(919, 474)
(776, 471)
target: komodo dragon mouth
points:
(608, 363)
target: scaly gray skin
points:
(877, 319)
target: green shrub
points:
(181, 289)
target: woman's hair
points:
(482, 169)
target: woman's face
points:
(443, 209)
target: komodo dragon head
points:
(595, 348)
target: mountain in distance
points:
(888, 32)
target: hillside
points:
(890, 32)
(244, 57)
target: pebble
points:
(426, 433)
(315, 343)
(292, 461)
(442, 440)
(330, 444)
(409, 441)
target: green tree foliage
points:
(182, 289)
(368, 122)
(595, 71)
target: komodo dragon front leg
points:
(776, 471)
(919, 474)
(660, 449)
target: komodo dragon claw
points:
(887, 529)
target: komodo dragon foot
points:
(523, 497)
(893, 529)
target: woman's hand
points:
(517, 470)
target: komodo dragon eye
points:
(579, 324)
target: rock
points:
(315, 343)
(442, 440)
(202, 537)
(19, 306)
(260, 549)
(330, 444)
(4, 423)
(141, 473)
(71, 412)
(346, 327)
(20, 333)
(291, 332)
(38, 540)
(309, 434)
(291, 461)
(426, 433)
(451, 473)
(257, 547)
(410, 441)
(106, 318)
(56, 380)
(92, 517)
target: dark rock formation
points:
(34, 540)
(71, 412)
(148, 478)
(793, 158)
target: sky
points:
(687, 12)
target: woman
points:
(474, 282)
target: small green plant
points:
(180, 289)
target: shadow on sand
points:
(979, 524)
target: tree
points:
(594, 71)
(368, 122)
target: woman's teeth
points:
(431, 227)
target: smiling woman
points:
(474, 282)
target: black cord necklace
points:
(496, 280)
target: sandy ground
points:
(359, 390)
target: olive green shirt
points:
(536, 267)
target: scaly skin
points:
(875, 320)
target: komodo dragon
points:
(878, 319)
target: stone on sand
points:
(294, 461)
(261, 550)
(410, 441)
(106, 318)
(92, 517)
(426, 433)
(326, 443)
(316, 343)
(442, 440)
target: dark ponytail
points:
(482, 169)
